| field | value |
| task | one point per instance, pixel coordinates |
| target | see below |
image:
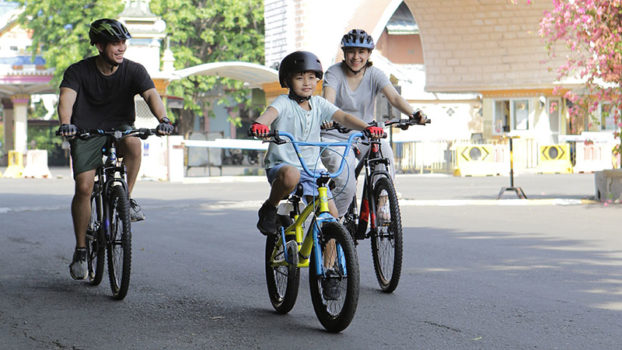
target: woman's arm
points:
(397, 101)
(329, 94)
(349, 121)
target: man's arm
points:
(66, 100)
(155, 104)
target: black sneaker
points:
(136, 212)
(267, 219)
(78, 268)
(331, 285)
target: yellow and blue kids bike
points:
(327, 249)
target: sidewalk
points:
(426, 189)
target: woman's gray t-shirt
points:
(360, 102)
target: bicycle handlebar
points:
(143, 133)
(403, 124)
(275, 136)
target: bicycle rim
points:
(95, 247)
(282, 279)
(335, 311)
(386, 240)
(119, 243)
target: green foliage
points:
(43, 137)
(200, 31)
(203, 31)
(39, 111)
(60, 29)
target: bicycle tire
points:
(119, 243)
(387, 239)
(95, 243)
(336, 315)
(349, 220)
(282, 280)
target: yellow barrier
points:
(555, 159)
(16, 165)
(479, 160)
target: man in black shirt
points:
(98, 93)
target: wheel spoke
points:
(387, 239)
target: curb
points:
(495, 202)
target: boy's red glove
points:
(374, 131)
(258, 129)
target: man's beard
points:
(109, 61)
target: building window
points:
(554, 106)
(501, 116)
(607, 113)
(602, 119)
(511, 114)
(520, 114)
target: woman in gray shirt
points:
(353, 85)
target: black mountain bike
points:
(379, 216)
(109, 229)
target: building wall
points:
(401, 49)
(473, 45)
(14, 41)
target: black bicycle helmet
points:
(296, 62)
(357, 38)
(108, 30)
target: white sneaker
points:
(136, 212)
(78, 268)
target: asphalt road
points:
(478, 273)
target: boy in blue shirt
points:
(300, 114)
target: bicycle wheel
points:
(386, 239)
(335, 292)
(119, 243)
(350, 219)
(282, 279)
(95, 243)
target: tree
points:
(60, 29)
(592, 31)
(203, 31)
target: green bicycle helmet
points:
(108, 30)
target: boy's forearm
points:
(267, 117)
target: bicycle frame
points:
(111, 173)
(370, 160)
(318, 207)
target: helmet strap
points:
(294, 96)
(355, 72)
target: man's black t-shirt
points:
(105, 102)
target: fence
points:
(463, 158)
